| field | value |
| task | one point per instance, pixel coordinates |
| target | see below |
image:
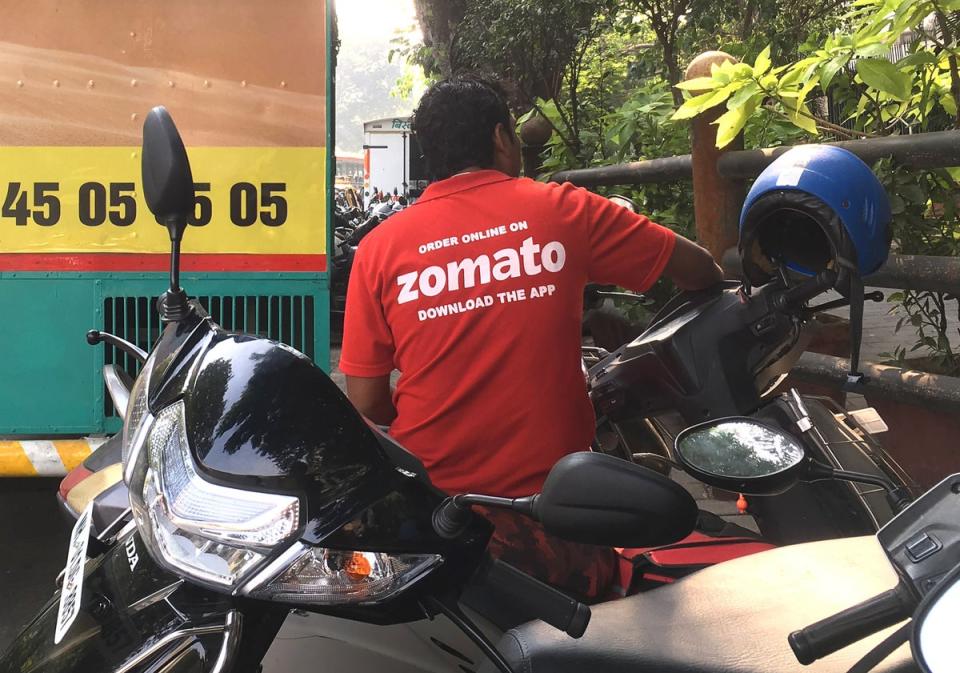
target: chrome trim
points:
(273, 569)
(232, 628)
(155, 597)
(138, 442)
(128, 527)
(119, 393)
(110, 531)
(231, 634)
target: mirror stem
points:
(175, 265)
(173, 305)
(453, 515)
(899, 500)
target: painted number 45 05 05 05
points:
(100, 203)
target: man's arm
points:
(372, 397)
(691, 267)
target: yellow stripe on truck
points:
(44, 457)
(14, 462)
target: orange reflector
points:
(357, 566)
(742, 504)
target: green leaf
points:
(741, 71)
(763, 62)
(743, 95)
(949, 104)
(700, 84)
(797, 71)
(883, 75)
(830, 69)
(722, 72)
(694, 106)
(917, 58)
(526, 116)
(872, 50)
(732, 122)
(802, 121)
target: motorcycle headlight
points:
(335, 577)
(203, 530)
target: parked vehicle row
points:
(257, 495)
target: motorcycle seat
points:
(729, 618)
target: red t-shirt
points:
(475, 294)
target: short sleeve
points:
(626, 249)
(368, 346)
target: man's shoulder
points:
(545, 189)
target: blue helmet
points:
(816, 206)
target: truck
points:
(250, 85)
(392, 160)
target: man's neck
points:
(469, 169)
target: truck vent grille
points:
(285, 318)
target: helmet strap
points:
(855, 377)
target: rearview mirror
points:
(167, 179)
(742, 455)
(593, 498)
(934, 640)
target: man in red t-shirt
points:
(475, 294)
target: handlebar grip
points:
(845, 628)
(551, 605)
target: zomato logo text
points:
(528, 260)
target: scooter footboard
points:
(133, 616)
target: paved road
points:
(33, 537)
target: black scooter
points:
(723, 352)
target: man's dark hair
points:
(454, 123)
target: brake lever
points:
(95, 337)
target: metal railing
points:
(719, 183)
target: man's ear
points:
(500, 138)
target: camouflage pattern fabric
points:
(586, 572)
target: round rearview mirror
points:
(934, 640)
(742, 455)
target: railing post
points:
(716, 200)
(535, 132)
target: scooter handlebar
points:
(845, 628)
(551, 605)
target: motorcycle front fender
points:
(134, 616)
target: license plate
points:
(72, 588)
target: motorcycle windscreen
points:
(133, 616)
